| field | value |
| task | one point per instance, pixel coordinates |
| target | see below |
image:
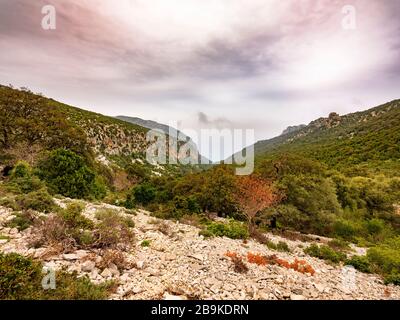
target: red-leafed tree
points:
(253, 195)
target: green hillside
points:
(363, 139)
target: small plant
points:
(21, 278)
(282, 246)
(115, 257)
(39, 200)
(257, 259)
(361, 263)
(23, 220)
(340, 245)
(145, 243)
(325, 253)
(233, 229)
(393, 278)
(238, 265)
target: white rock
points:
(173, 297)
(3, 241)
(296, 297)
(106, 273)
(319, 287)
(88, 266)
(140, 265)
(70, 256)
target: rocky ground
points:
(180, 264)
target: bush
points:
(361, 263)
(22, 179)
(325, 253)
(339, 244)
(67, 174)
(145, 243)
(386, 259)
(113, 231)
(393, 278)
(73, 218)
(280, 246)
(21, 279)
(233, 229)
(23, 220)
(144, 194)
(39, 200)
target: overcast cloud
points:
(261, 64)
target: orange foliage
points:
(256, 258)
(231, 254)
(254, 194)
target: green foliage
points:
(66, 173)
(325, 253)
(232, 229)
(39, 200)
(22, 179)
(32, 119)
(143, 194)
(145, 243)
(361, 263)
(393, 278)
(22, 220)
(73, 217)
(280, 246)
(386, 257)
(21, 279)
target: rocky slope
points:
(180, 264)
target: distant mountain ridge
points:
(367, 136)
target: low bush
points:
(67, 173)
(21, 279)
(361, 263)
(113, 231)
(23, 220)
(325, 253)
(238, 265)
(232, 229)
(145, 243)
(280, 246)
(39, 200)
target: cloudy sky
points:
(258, 64)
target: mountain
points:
(370, 137)
(291, 129)
(149, 124)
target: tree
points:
(66, 173)
(253, 195)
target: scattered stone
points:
(70, 256)
(106, 273)
(140, 265)
(88, 266)
(296, 297)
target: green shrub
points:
(145, 243)
(339, 244)
(346, 229)
(386, 259)
(23, 220)
(393, 278)
(39, 200)
(144, 194)
(325, 253)
(361, 263)
(22, 169)
(233, 229)
(67, 174)
(282, 246)
(73, 217)
(21, 279)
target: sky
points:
(198, 64)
